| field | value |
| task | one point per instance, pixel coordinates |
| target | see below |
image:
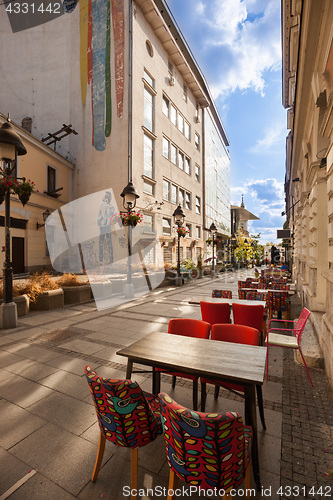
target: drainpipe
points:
(130, 97)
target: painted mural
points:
(95, 60)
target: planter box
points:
(76, 294)
(22, 304)
(52, 299)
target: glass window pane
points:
(166, 190)
(187, 130)
(174, 193)
(187, 165)
(181, 123)
(148, 187)
(188, 200)
(181, 160)
(166, 145)
(148, 156)
(173, 154)
(197, 141)
(197, 173)
(148, 78)
(166, 225)
(173, 114)
(198, 232)
(181, 197)
(189, 227)
(197, 205)
(147, 223)
(148, 110)
(165, 106)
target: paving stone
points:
(67, 383)
(22, 391)
(40, 487)
(11, 470)
(31, 369)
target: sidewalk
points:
(48, 429)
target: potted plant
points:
(127, 218)
(6, 183)
(24, 189)
(44, 293)
(75, 290)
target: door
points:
(18, 255)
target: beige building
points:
(50, 171)
(139, 104)
(307, 31)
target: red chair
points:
(292, 342)
(222, 294)
(189, 328)
(239, 334)
(213, 312)
(250, 315)
(206, 450)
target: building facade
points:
(124, 78)
(307, 34)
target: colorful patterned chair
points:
(279, 286)
(206, 450)
(262, 283)
(190, 328)
(241, 333)
(222, 294)
(252, 295)
(242, 284)
(126, 416)
(242, 293)
(278, 302)
(292, 342)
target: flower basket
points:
(182, 231)
(127, 218)
(24, 190)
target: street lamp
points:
(45, 216)
(11, 146)
(129, 195)
(213, 231)
(179, 217)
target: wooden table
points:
(265, 290)
(197, 300)
(225, 361)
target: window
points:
(187, 165)
(198, 232)
(181, 197)
(173, 114)
(166, 148)
(148, 226)
(170, 67)
(148, 156)
(189, 253)
(185, 92)
(181, 160)
(148, 78)
(181, 123)
(197, 205)
(189, 227)
(173, 154)
(166, 190)
(148, 109)
(197, 141)
(149, 48)
(197, 173)
(166, 225)
(148, 187)
(188, 200)
(174, 191)
(166, 106)
(187, 130)
(51, 181)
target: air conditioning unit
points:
(172, 81)
(197, 119)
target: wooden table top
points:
(236, 300)
(203, 357)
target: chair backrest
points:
(277, 301)
(249, 315)
(206, 449)
(252, 295)
(215, 313)
(279, 286)
(222, 294)
(124, 414)
(299, 327)
(261, 296)
(238, 333)
(242, 284)
(262, 282)
(189, 327)
(242, 293)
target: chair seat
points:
(283, 340)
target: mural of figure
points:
(103, 220)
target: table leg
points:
(156, 381)
(251, 419)
(129, 369)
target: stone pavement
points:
(48, 428)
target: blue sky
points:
(237, 44)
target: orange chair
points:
(213, 312)
(250, 315)
(239, 334)
(189, 328)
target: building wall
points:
(310, 160)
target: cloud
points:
(274, 136)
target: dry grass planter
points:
(75, 290)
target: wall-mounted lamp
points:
(297, 179)
(45, 216)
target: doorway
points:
(18, 255)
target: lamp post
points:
(129, 195)
(213, 231)
(45, 216)
(179, 220)
(11, 146)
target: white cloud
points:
(274, 136)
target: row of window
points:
(167, 227)
(179, 196)
(170, 110)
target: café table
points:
(216, 360)
(236, 300)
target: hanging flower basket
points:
(24, 190)
(6, 184)
(127, 219)
(182, 231)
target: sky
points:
(237, 45)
